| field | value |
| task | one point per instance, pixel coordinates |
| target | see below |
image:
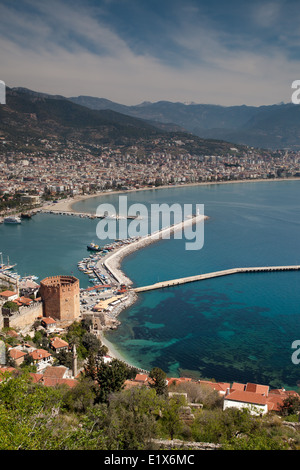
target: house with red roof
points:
(41, 358)
(53, 382)
(8, 295)
(17, 355)
(58, 344)
(254, 402)
(257, 398)
(48, 323)
(138, 381)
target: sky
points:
(224, 52)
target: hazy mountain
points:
(273, 126)
(38, 116)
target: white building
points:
(254, 402)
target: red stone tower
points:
(60, 296)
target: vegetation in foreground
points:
(99, 414)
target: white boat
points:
(12, 220)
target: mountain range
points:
(271, 126)
(32, 116)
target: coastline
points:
(67, 205)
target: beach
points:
(67, 205)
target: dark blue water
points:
(48, 245)
(239, 327)
(234, 328)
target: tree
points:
(81, 397)
(90, 366)
(110, 377)
(159, 383)
(171, 415)
(91, 342)
(290, 406)
(64, 358)
(136, 411)
(12, 306)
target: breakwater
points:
(113, 260)
(226, 272)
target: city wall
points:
(25, 317)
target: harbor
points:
(143, 330)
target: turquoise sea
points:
(235, 328)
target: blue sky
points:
(206, 51)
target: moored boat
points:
(12, 220)
(93, 247)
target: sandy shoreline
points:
(67, 205)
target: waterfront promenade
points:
(202, 277)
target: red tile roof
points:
(257, 388)
(247, 397)
(55, 372)
(53, 381)
(4, 370)
(274, 402)
(238, 386)
(141, 378)
(25, 300)
(16, 353)
(48, 320)
(36, 378)
(219, 386)
(8, 293)
(178, 380)
(39, 354)
(57, 343)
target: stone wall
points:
(177, 444)
(25, 317)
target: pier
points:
(202, 277)
(88, 215)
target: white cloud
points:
(74, 53)
(267, 14)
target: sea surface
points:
(234, 328)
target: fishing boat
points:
(93, 247)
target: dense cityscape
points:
(70, 169)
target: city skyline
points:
(132, 51)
